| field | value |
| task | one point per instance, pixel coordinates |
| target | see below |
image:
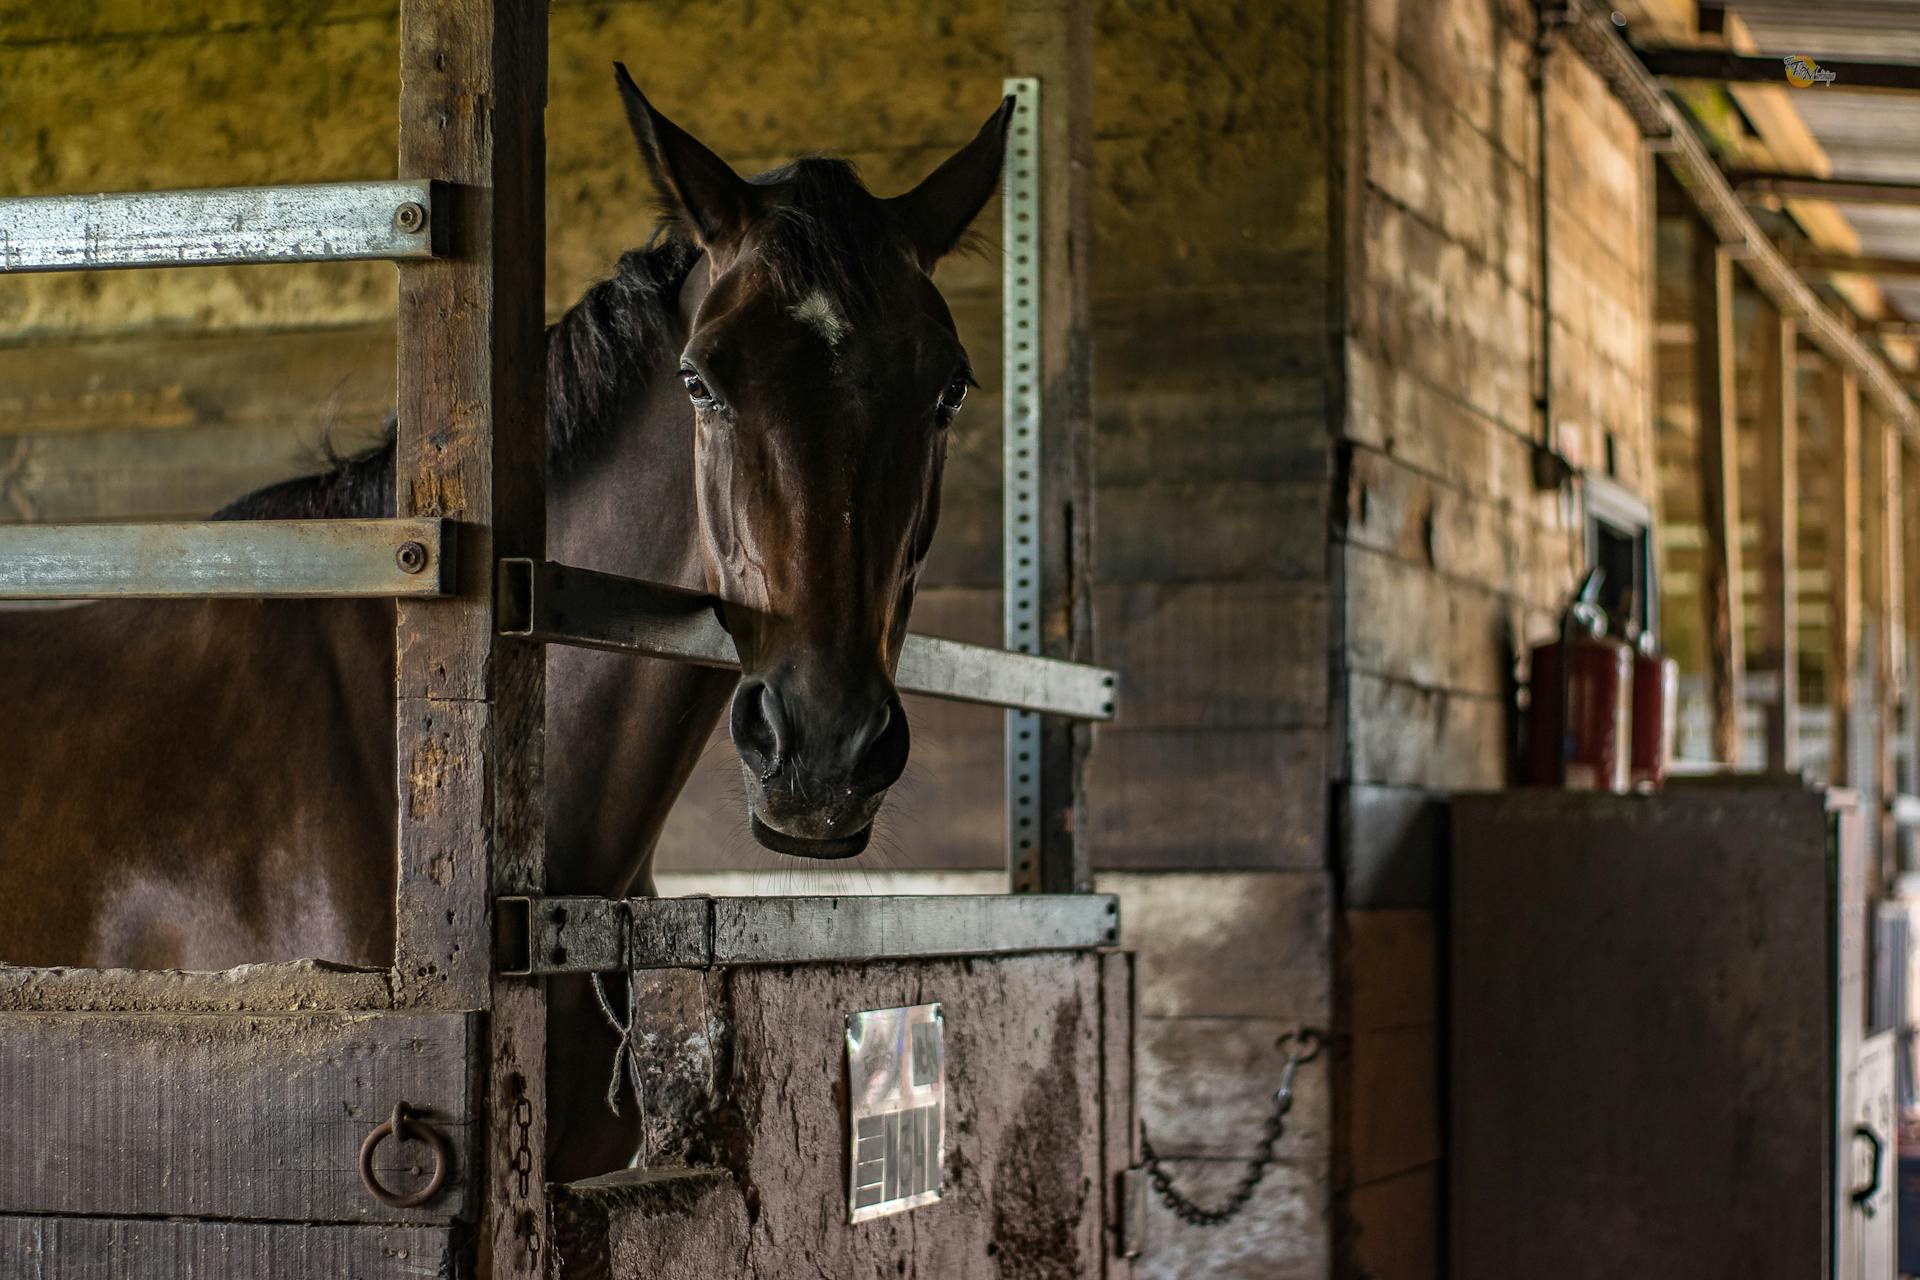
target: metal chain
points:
(523, 1154)
(522, 1167)
(1306, 1047)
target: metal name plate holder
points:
(897, 1110)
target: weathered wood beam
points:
(1718, 462)
(1588, 29)
(1909, 612)
(1053, 41)
(1857, 265)
(1815, 186)
(1778, 510)
(472, 447)
(1841, 397)
(1682, 62)
(1885, 607)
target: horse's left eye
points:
(953, 397)
(696, 389)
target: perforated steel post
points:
(1020, 501)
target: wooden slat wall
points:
(1448, 563)
(236, 1116)
(56, 1248)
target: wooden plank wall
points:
(1448, 562)
(165, 394)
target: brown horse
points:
(201, 784)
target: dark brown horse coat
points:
(201, 784)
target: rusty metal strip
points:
(248, 558)
(556, 604)
(543, 936)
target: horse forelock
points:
(824, 237)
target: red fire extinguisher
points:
(1579, 717)
(1656, 695)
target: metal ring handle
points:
(1863, 1196)
(404, 1126)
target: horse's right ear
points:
(936, 213)
(696, 186)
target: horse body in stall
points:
(197, 784)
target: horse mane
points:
(603, 351)
(819, 234)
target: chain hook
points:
(1302, 1046)
(1306, 1044)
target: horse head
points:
(824, 370)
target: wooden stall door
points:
(744, 1165)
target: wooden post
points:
(472, 447)
(1894, 567)
(1053, 40)
(1909, 611)
(1842, 403)
(1780, 529)
(1885, 607)
(1719, 469)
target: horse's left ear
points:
(937, 213)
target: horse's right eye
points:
(696, 389)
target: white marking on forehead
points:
(818, 313)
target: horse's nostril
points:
(871, 732)
(758, 727)
(775, 720)
(881, 751)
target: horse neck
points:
(629, 507)
(624, 733)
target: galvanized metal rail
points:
(218, 226)
(370, 558)
(556, 604)
(538, 936)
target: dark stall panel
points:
(1657, 1002)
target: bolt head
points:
(410, 216)
(411, 557)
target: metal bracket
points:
(556, 604)
(245, 558)
(534, 937)
(217, 226)
(1020, 469)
